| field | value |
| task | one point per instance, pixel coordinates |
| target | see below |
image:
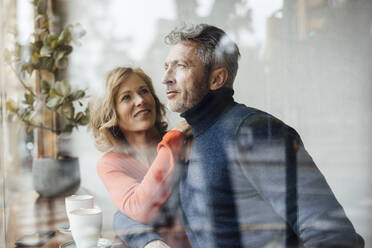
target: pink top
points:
(136, 190)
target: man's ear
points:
(218, 78)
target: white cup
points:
(86, 226)
(73, 202)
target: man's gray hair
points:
(215, 49)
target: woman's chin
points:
(144, 126)
(140, 126)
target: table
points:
(29, 213)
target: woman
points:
(140, 158)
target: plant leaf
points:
(46, 51)
(29, 99)
(62, 88)
(29, 68)
(35, 3)
(39, 31)
(30, 128)
(67, 49)
(84, 120)
(68, 128)
(58, 55)
(45, 87)
(38, 17)
(54, 44)
(27, 117)
(42, 7)
(53, 102)
(36, 46)
(47, 63)
(79, 116)
(68, 110)
(44, 23)
(52, 93)
(62, 63)
(78, 94)
(78, 31)
(50, 38)
(11, 105)
(35, 58)
(65, 36)
(59, 110)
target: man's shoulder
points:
(259, 123)
(249, 116)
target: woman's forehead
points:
(133, 82)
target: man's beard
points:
(189, 99)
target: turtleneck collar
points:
(208, 110)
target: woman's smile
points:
(143, 113)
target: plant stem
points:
(44, 127)
(21, 81)
(41, 126)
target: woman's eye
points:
(182, 65)
(125, 98)
(144, 91)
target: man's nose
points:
(168, 77)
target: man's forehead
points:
(184, 50)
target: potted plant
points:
(50, 108)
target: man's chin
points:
(174, 107)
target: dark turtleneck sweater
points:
(206, 113)
(247, 186)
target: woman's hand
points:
(183, 127)
(156, 244)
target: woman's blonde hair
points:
(103, 118)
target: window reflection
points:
(308, 62)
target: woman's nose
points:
(139, 100)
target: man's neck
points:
(206, 112)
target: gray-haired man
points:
(249, 181)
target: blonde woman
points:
(139, 164)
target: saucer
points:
(64, 228)
(102, 243)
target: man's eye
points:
(181, 65)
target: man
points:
(249, 181)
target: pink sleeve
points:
(141, 200)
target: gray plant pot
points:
(53, 177)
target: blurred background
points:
(307, 62)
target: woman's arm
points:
(141, 199)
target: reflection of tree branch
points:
(21, 81)
(41, 126)
(37, 125)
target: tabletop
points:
(28, 213)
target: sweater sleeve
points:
(133, 233)
(137, 197)
(285, 176)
